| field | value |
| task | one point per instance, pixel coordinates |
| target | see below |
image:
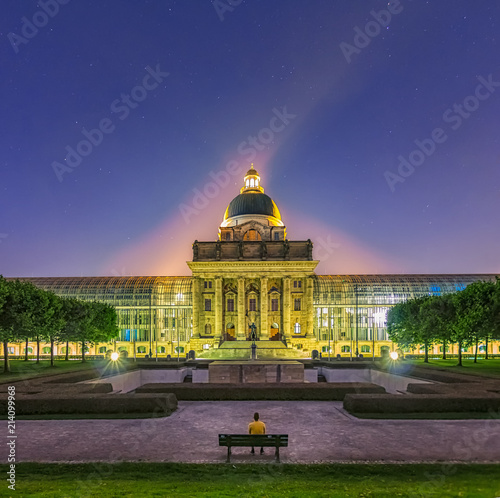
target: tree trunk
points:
(475, 351)
(67, 350)
(37, 349)
(51, 351)
(426, 348)
(459, 353)
(26, 350)
(444, 350)
(486, 353)
(6, 366)
(83, 351)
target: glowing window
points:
(296, 328)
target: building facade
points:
(251, 277)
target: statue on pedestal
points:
(253, 333)
(286, 249)
(263, 250)
(309, 250)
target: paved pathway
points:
(319, 432)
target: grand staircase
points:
(240, 350)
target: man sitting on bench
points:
(256, 427)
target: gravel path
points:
(319, 432)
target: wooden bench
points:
(267, 440)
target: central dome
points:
(252, 203)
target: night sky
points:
(382, 148)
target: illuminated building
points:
(252, 275)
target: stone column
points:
(218, 309)
(309, 307)
(264, 327)
(286, 309)
(196, 307)
(240, 331)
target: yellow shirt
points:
(257, 427)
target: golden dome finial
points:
(251, 181)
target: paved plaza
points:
(319, 432)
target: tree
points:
(15, 314)
(89, 322)
(5, 327)
(410, 323)
(437, 315)
(51, 321)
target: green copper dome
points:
(252, 203)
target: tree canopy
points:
(28, 312)
(466, 317)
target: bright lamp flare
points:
(114, 356)
(394, 355)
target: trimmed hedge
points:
(467, 388)
(283, 392)
(161, 404)
(434, 374)
(420, 403)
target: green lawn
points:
(484, 368)
(214, 480)
(24, 370)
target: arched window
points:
(345, 349)
(160, 349)
(208, 329)
(141, 349)
(179, 349)
(63, 350)
(46, 350)
(102, 349)
(252, 183)
(296, 328)
(30, 350)
(365, 349)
